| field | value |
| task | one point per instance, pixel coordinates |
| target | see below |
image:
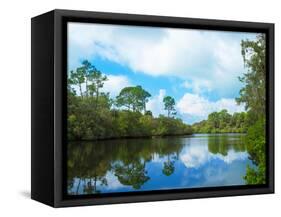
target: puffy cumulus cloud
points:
(155, 104)
(196, 105)
(210, 60)
(115, 83)
(121, 44)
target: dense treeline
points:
(253, 96)
(92, 114)
(222, 122)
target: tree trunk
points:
(80, 88)
(77, 189)
(86, 80)
(95, 184)
(97, 98)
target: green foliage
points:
(255, 142)
(253, 93)
(91, 114)
(169, 105)
(169, 167)
(133, 174)
(254, 98)
(222, 122)
(148, 113)
(166, 126)
(90, 161)
(223, 143)
(133, 98)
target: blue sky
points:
(199, 68)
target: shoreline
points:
(144, 137)
(130, 137)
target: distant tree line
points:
(92, 114)
(222, 122)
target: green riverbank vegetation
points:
(92, 114)
(254, 97)
(253, 121)
(222, 122)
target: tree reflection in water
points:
(92, 166)
(89, 162)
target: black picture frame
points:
(48, 75)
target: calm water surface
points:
(200, 160)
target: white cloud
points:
(197, 155)
(198, 86)
(196, 105)
(155, 104)
(169, 55)
(112, 182)
(209, 59)
(115, 84)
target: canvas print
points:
(152, 108)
